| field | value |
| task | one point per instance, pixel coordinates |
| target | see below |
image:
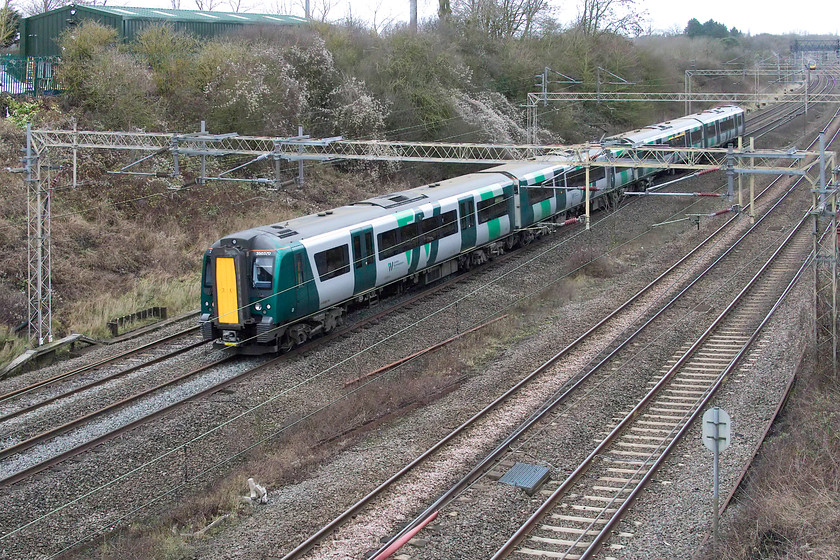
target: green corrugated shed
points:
(39, 33)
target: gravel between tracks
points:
(299, 506)
(297, 509)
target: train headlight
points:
(258, 306)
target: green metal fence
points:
(29, 75)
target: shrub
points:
(355, 112)
(167, 52)
(110, 85)
(79, 47)
(250, 92)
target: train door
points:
(466, 210)
(364, 260)
(306, 293)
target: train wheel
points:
(527, 237)
(286, 343)
(511, 241)
(299, 334)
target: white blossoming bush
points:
(356, 112)
(253, 91)
(314, 66)
(495, 117)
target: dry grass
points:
(11, 345)
(91, 317)
(790, 508)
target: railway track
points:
(35, 439)
(75, 372)
(768, 120)
(643, 300)
(582, 511)
(217, 388)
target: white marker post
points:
(716, 430)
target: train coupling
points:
(230, 338)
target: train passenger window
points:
(491, 208)
(710, 131)
(438, 227)
(538, 194)
(730, 124)
(575, 178)
(333, 262)
(395, 241)
(430, 228)
(263, 273)
(387, 242)
(411, 236)
(697, 137)
(408, 235)
(677, 141)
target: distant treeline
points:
(710, 29)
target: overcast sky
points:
(766, 16)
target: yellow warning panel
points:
(226, 290)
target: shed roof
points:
(167, 14)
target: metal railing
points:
(33, 76)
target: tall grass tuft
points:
(11, 345)
(91, 317)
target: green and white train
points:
(273, 287)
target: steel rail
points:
(95, 365)
(67, 426)
(550, 503)
(502, 448)
(788, 111)
(605, 531)
(12, 479)
(347, 514)
(96, 383)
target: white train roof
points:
(525, 173)
(367, 210)
(687, 122)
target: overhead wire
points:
(288, 390)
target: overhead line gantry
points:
(148, 149)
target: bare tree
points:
(281, 7)
(321, 9)
(378, 24)
(176, 4)
(32, 7)
(613, 16)
(207, 5)
(237, 5)
(9, 20)
(500, 18)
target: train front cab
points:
(249, 296)
(225, 310)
